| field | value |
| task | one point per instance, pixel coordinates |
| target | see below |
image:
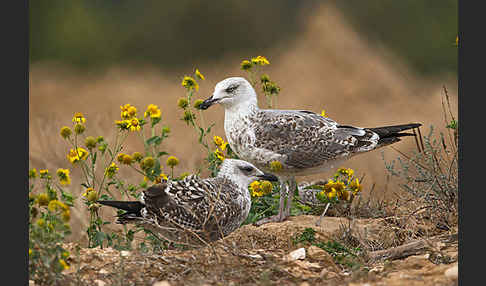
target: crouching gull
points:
(195, 211)
(298, 142)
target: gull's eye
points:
(246, 168)
(230, 89)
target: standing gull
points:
(301, 141)
(195, 211)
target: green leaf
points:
(155, 121)
(162, 154)
(156, 140)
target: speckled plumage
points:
(194, 211)
(302, 141)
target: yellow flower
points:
(332, 193)
(137, 156)
(197, 103)
(127, 159)
(147, 163)
(30, 252)
(63, 263)
(41, 222)
(220, 142)
(77, 155)
(457, 40)
(119, 157)
(275, 166)
(219, 154)
(153, 111)
(172, 161)
(261, 61)
(32, 173)
(246, 65)
(256, 189)
(44, 173)
(79, 128)
(190, 83)
(66, 132)
(79, 118)
(134, 124)
(90, 142)
(42, 199)
(264, 79)
(63, 175)
(55, 205)
(128, 111)
(323, 113)
(266, 187)
(188, 116)
(182, 102)
(111, 170)
(66, 215)
(199, 75)
(347, 172)
(91, 195)
(355, 186)
(161, 177)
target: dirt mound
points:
(271, 254)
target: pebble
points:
(452, 272)
(296, 254)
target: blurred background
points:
(367, 63)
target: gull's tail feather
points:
(132, 210)
(391, 134)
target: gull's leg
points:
(290, 196)
(281, 208)
(318, 222)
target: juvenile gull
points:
(194, 211)
(302, 141)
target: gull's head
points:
(243, 172)
(231, 92)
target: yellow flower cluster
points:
(111, 170)
(343, 186)
(190, 83)
(63, 175)
(56, 205)
(77, 155)
(323, 113)
(153, 111)
(129, 118)
(91, 195)
(257, 61)
(260, 61)
(260, 188)
(172, 161)
(221, 144)
(275, 166)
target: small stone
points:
(295, 255)
(307, 265)
(99, 282)
(103, 271)
(161, 283)
(319, 254)
(452, 272)
(125, 253)
(31, 283)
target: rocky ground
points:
(275, 253)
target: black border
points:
(15, 147)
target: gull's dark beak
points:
(268, 177)
(207, 103)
